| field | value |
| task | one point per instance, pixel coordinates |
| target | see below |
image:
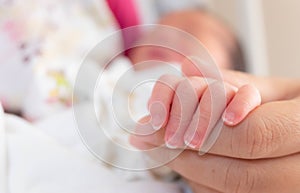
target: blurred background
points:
(41, 54)
(276, 24)
(268, 30)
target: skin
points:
(183, 106)
(259, 154)
(193, 93)
(212, 33)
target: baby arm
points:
(183, 106)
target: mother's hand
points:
(262, 154)
(224, 174)
(259, 155)
(271, 130)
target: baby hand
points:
(189, 108)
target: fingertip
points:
(192, 140)
(251, 93)
(246, 99)
(229, 118)
(158, 114)
(256, 95)
(169, 142)
(193, 137)
(161, 100)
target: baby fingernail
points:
(169, 140)
(229, 118)
(158, 115)
(157, 122)
(171, 146)
(192, 140)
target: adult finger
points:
(227, 174)
(198, 188)
(271, 130)
(235, 175)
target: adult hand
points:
(262, 154)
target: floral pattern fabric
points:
(42, 43)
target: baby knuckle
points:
(185, 92)
(205, 107)
(168, 80)
(201, 82)
(165, 77)
(175, 116)
(183, 85)
(205, 113)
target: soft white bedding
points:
(55, 161)
(49, 156)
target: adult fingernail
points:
(192, 139)
(229, 118)
(158, 115)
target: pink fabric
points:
(127, 15)
(125, 12)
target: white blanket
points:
(34, 160)
(48, 156)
